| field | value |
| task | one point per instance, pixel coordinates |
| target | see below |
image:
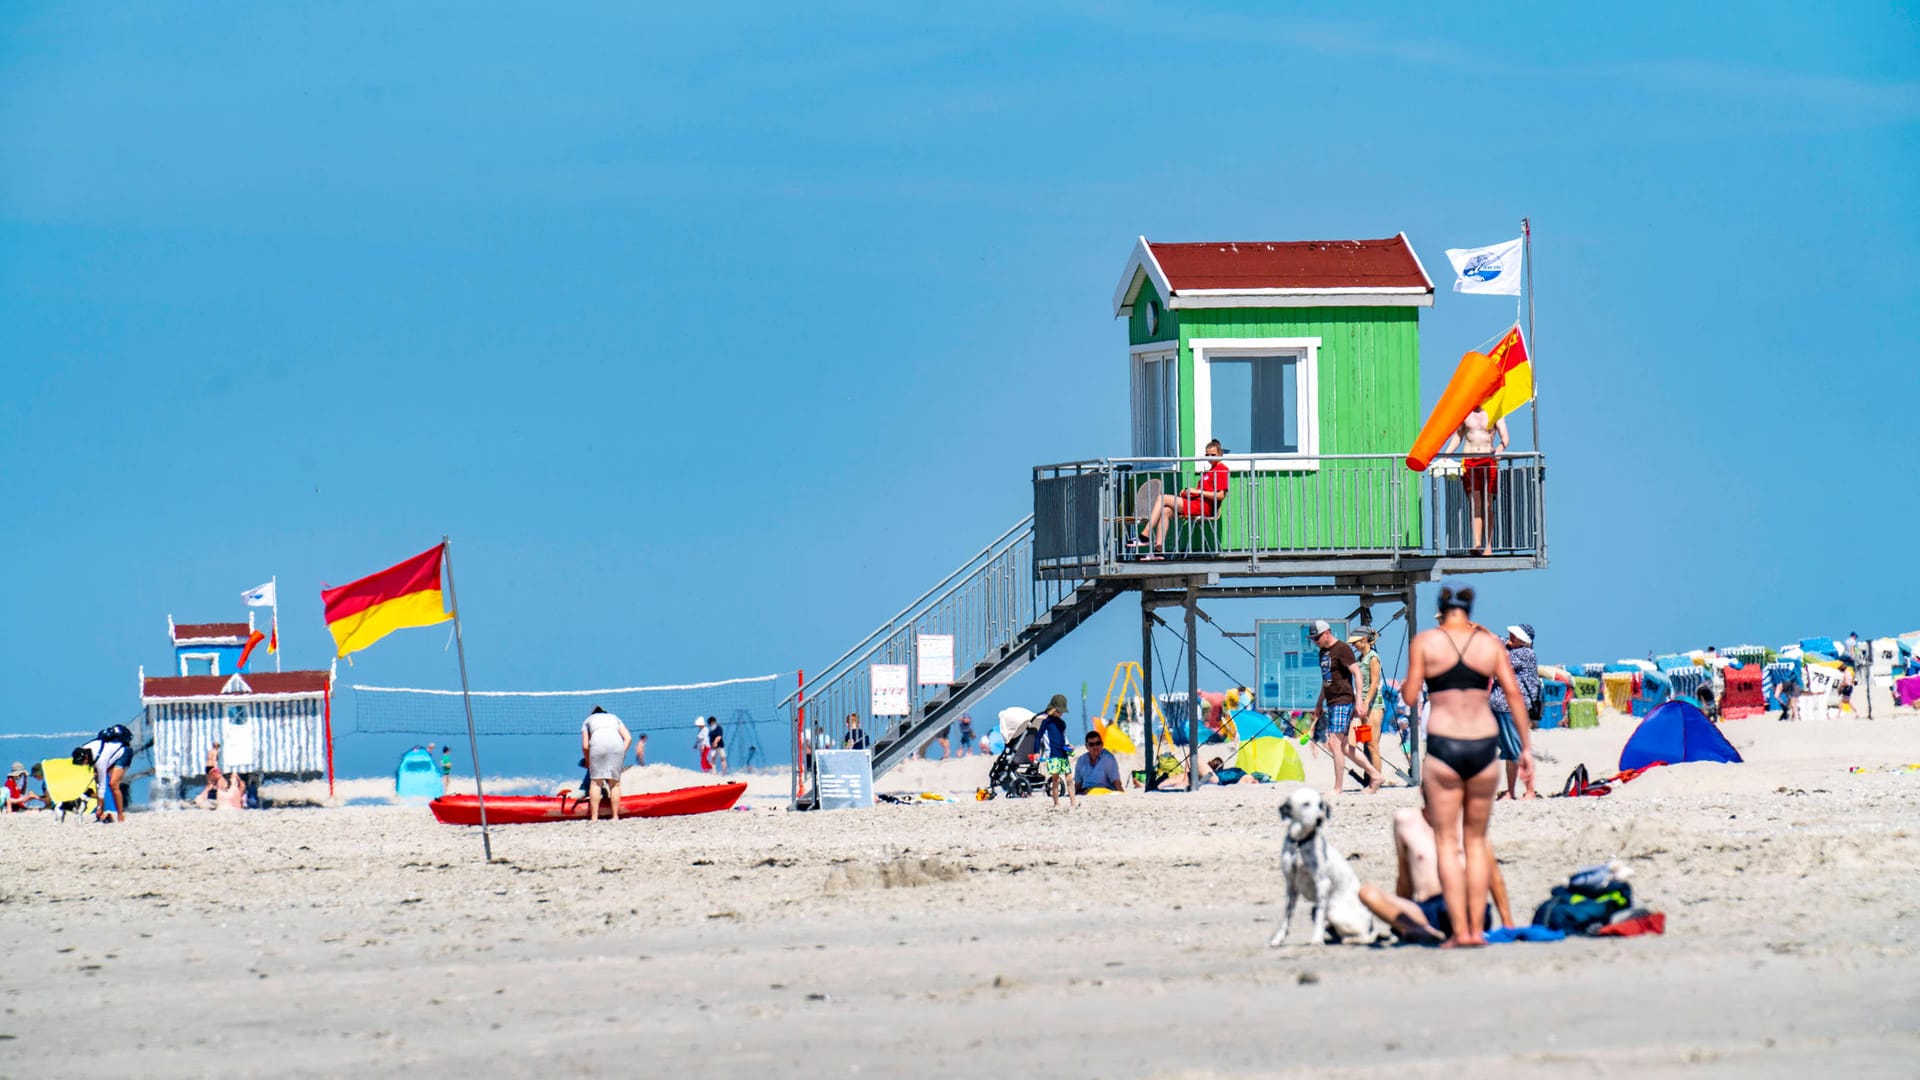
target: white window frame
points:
(213, 657)
(1138, 356)
(1307, 349)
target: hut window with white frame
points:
(1156, 405)
(1258, 396)
(1256, 403)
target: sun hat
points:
(1521, 631)
(17, 770)
(1058, 701)
(1362, 633)
(699, 721)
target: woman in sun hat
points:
(1510, 715)
(19, 796)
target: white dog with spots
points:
(1313, 866)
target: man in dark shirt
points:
(1339, 672)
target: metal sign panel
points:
(888, 683)
(933, 657)
(843, 779)
(1289, 662)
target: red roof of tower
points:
(1291, 264)
(1277, 273)
(259, 682)
(203, 631)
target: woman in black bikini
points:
(1462, 743)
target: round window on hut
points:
(1153, 316)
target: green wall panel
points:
(1369, 403)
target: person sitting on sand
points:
(1096, 768)
(227, 792)
(20, 791)
(1416, 908)
(604, 741)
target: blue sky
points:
(713, 334)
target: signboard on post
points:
(843, 779)
(933, 656)
(889, 690)
(1289, 662)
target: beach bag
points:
(1579, 784)
(1578, 913)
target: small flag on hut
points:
(400, 596)
(1516, 376)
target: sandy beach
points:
(974, 939)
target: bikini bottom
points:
(1467, 757)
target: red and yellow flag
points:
(1516, 376)
(392, 599)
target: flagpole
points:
(276, 624)
(1533, 353)
(466, 698)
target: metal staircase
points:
(1001, 617)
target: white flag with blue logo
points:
(1494, 270)
(262, 595)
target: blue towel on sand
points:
(1506, 934)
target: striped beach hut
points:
(273, 725)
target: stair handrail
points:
(964, 570)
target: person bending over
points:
(604, 741)
(1416, 908)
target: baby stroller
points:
(1016, 773)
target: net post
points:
(466, 698)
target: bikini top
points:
(1460, 676)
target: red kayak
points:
(521, 809)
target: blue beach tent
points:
(417, 777)
(1250, 725)
(1673, 733)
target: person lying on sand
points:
(1415, 909)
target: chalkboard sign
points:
(843, 779)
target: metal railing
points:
(1126, 515)
(988, 605)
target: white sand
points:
(972, 939)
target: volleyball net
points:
(747, 710)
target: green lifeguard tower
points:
(1303, 359)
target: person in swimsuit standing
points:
(1480, 441)
(1456, 662)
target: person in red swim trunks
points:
(1481, 442)
(1194, 502)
